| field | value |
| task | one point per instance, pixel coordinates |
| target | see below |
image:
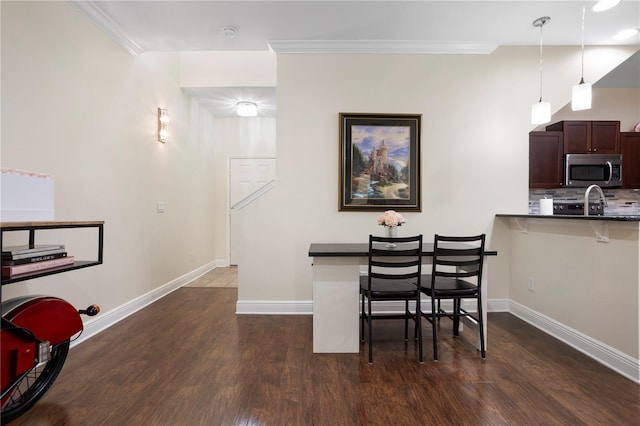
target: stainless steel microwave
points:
(582, 170)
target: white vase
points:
(391, 232)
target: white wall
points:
(79, 107)
(476, 119)
(228, 69)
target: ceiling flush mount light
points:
(541, 111)
(604, 5)
(246, 109)
(581, 92)
(163, 125)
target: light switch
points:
(160, 207)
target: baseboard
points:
(274, 307)
(497, 305)
(106, 319)
(604, 354)
(305, 307)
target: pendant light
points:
(581, 93)
(541, 111)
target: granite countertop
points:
(616, 218)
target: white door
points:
(246, 176)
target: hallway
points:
(218, 277)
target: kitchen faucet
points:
(601, 197)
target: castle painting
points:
(380, 162)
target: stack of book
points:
(20, 260)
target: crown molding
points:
(379, 46)
(106, 24)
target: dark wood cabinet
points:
(576, 135)
(605, 137)
(586, 137)
(630, 149)
(545, 159)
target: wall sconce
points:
(163, 125)
(541, 111)
(581, 92)
(246, 109)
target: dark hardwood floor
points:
(189, 360)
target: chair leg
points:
(362, 319)
(418, 329)
(434, 327)
(406, 320)
(481, 328)
(370, 321)
(456, 317)
(418, 319)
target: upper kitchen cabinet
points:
(545, 159)
(630, 148)
(586, 137)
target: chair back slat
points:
(457, 274)
(400, 264)
(393, 276)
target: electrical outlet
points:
(530, 284)
(160, 207)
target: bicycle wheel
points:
(31, 388)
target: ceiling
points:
(460, 27)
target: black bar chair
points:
(456, 274)
(394, 274)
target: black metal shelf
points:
(32, 227)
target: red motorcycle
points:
(36, 333)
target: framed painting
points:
(379, 162)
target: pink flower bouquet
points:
(391, 218)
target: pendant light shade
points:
(581, 93)
(541, 111)
(581, 96)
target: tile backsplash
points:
(625, 202)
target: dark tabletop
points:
(362, 249)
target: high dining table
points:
(336, 271)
